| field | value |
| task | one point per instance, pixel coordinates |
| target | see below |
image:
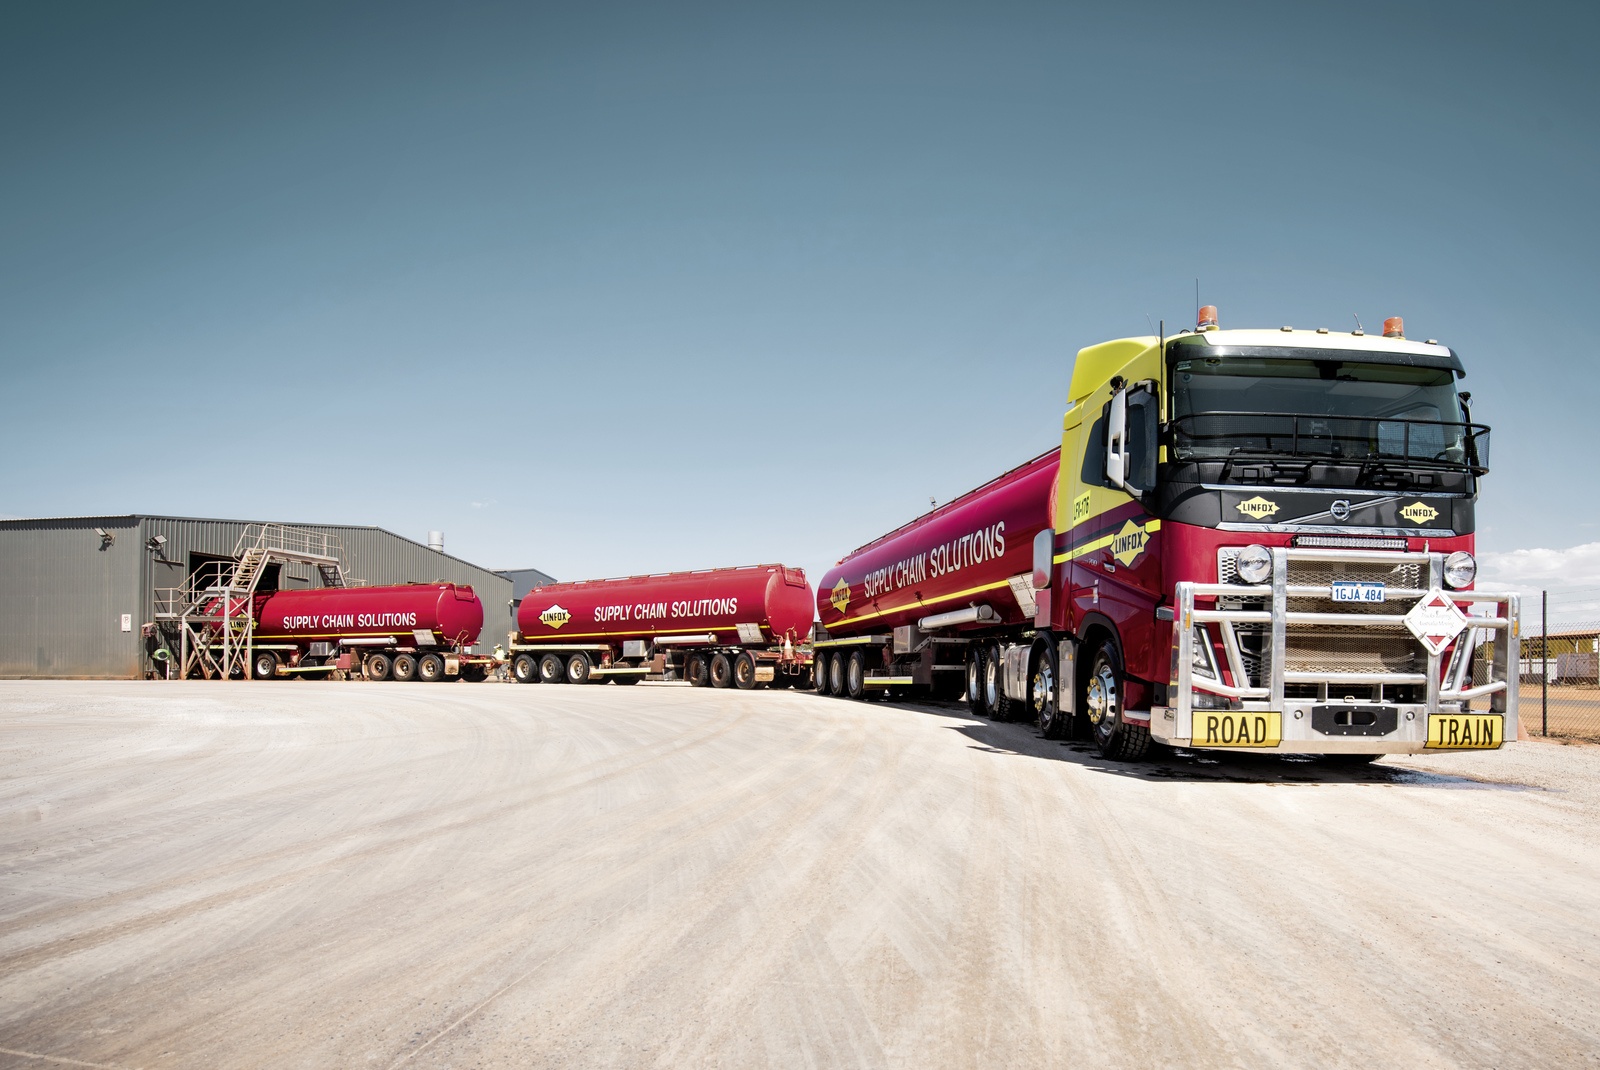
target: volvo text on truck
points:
(1248, 539)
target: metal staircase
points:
(213, 609)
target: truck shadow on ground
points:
(1163, 763)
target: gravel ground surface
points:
(398, 875)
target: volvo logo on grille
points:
(1341, 510)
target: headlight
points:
(1460, 570)
(1201, 662)
(1254, 564)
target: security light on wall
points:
(106, 537)
(155, 542)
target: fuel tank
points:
(753, 605)
(960, 555)
(451, 614)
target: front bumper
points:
(1309, 700)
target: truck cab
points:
(1263, 540)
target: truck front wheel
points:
(1102, 700)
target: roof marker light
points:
(1322, 330)
(1394, 327)
(1286, 329)
(1207, 320)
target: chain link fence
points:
(1560, 670)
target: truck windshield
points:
(1271, 406)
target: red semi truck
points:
(413, 631)
(1248, 539)
(739, 627)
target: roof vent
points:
(436, 541)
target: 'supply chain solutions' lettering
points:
(335, 621)
(699, 607)
(983, 545)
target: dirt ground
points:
(453, 875)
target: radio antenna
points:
(1197, 300)
(1359, 328)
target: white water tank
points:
(436, 541)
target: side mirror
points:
(1044, 558)
(1117, 440)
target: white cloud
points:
(1572, 576)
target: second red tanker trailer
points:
(726, 627)
(1248, 539)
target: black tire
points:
(819, 672)
(626, 678)
(744, 672)
(996, 704)
(836, 665)
(430, 668)
(855, 675)
(1043, 692)
(781, 680)
(264, 665)
(1103, 688)
(721, 670)
(578, 668)
(696, 671)
(474, 674)
(525, 669)
(377, 666)
(552, 669)
(404, 668)
(975, 679)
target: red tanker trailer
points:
(911, 608)
(407, 631)
(738, 627)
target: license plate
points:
(1350, 591)
(1465, 731)
(1237, 728)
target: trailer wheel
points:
(578, 669)
(376, 667)
(995, 700)
(836, 674)
(474, 674)
(1042, 692)
(721, 670)
(819, 672)
(525, 669)
(975, 679)
(744, 671)
(855, 675)
(405, 667)
(552, 669)
(694, 670)
(264, 666)
(626, 678)
(430, 668)
(1103, 690)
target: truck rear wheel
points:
(721, 670)
(264, 666)
(995, 701)
(552, 670)
(819, 672)
(376, 667)
(405, 667)
(1042, 693)
(855, 675)
(1102, 699)
(694, 670)
(430, 668)
(975, 679)
(578, 669)
(836, 674)
(525, 669)
(744, 671)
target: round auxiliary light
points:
(1460, 570)
(1207, 319)
(1394, 327)
(1254, 564)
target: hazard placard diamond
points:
(1435, 621)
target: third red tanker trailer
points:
(740, 627)
(1248, 539)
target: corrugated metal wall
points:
(62, 597)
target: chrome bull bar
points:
(1443, 684)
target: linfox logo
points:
(841, 596)
(554, 617)
(1418, 513)
(1257, 508)
(1128, 544)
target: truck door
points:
(1115, 561)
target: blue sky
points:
(603, 289)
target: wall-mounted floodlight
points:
(106, 538)
(155, 542)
